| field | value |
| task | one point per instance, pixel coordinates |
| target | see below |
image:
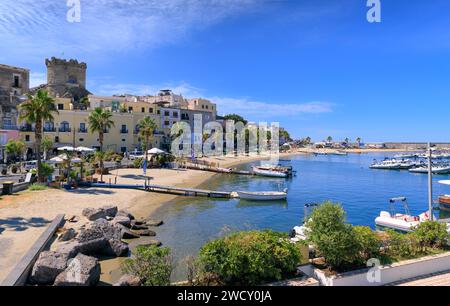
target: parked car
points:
(136, 154)
(30, 165)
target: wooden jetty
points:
(167, 189)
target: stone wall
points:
(67, 73)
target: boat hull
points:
(444, 202)
(269, 173)
(396, 224)
(255, 196)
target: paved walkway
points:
(437, 279)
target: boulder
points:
(125, 221)
(151, 222)
(67, 235)
(93, 214)
(151, 243)
(99, 229)
(95, 247)
(70, 249)
(117, 248)
(145, 232)
(48, 266)
(128, 281)
(125, 213)
(110, 211)
(81, 271)
(125, 233)
(138, 227)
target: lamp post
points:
(430, 182)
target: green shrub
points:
(152, 265)
(402, 246)
(431, 234)
(47, 169)
(334, 239)
(137, 163)
(369, 242)
(250, 258)
(37, 187)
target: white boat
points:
(262, 195)
(269, 173)
(406, 155)
(435, 169)
(400, 222)
(387, 165)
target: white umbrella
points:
(446, 182)
(156, 151)
(84, 149)
(66, 148)
(63, 157)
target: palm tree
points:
(37, 109)
(99, 121)
(329, 139)
(46, 145)
(358, 141)
(346, 140)
(85, 102)
(147, 127)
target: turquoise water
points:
(190, 222)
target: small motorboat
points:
(386, 165)
(400, 222)
(444, 200)
(269, 173)
(438, 169)
(263, 195)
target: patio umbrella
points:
(66, 148)
(84, 149)
(63, 157)
(156, 151)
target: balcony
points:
(49, 130)
(27, 129)
(82, 130)
(123, 131)
(65, 130)
(10, 127)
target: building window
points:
(150, 110)
(123, 149)
(158, 112)
(206, 106)
(49, 126)
(82, 127)
(123, 129)
(7, 123)
(166, 123)
(27, 138)
(64, 127)
(60, 106)
(81, 139)
(16, 81)
(56, 139)
(203, 106)
(167, 113)
(143, 110)
(175, 114)
(130, 109)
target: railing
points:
(49, 130)
(10, 127)
(65, 130)
(123, 131)
(82, 130)
(27, 129)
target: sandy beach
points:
(24, 216)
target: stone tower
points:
(66, 79)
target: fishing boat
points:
(268, 172)
(400, 222)
(436, 169)
(263, 195)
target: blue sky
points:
(317, 67)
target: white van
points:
(30, 165)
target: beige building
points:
(203, 105)
(70, 127)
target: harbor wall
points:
(388, 274)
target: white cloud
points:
(182, 88)
(38, 28)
